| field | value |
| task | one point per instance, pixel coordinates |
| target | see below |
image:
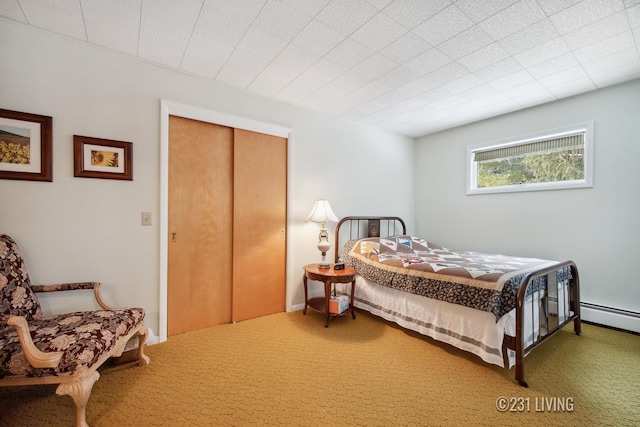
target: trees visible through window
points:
(555, 159)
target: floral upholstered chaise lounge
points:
(64, 349)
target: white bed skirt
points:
(466, 328)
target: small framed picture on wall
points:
(102, 158)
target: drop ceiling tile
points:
(349, 53)
(375, 66)
(443, 26)
(415, 87)
(605, 47)
(463, 83)
(513, 19)
(216, 25)
(512, 80)
(411, 13)
(346, 16)
(10, 9)
(428, 62)
(308, 7)
(621, 74)
(633, 14)
(182, 13)
(481, 91)
(379, 32)
(61, 17)
(161, 41)
(575, 87)
(296, 58)
(465, 43)
(552, 7)
(484, 57)
(406, 48)
(478, 11)
(615, 60)
(498, 70)
(542, 53)
(553, 65)
(366, 93)
(318, 38)
(535, 98)
(260, 43)
(530, 37)
(281, 20)
(204, 56)
(598, 31)
(272, 79)
(241, 68)
(316, 76)
(245, 10)
(565, 76)
(98, 16)
(378, 4)
(584, 13)
(399, 76)
(446, 74)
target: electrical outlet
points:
(146, 218)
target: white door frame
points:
(169, 108)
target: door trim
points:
(170, 108)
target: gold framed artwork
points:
(102, 158)
(25, 146)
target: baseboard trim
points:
(610, 316)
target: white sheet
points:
(466, 328)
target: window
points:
(551, 160)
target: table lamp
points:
(322, 213)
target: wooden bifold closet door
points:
(227, 222)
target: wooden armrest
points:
(35, 357)
(73, 287)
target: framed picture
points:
(25, 146)
(102, 158)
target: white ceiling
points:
(408, 66)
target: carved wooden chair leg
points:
(143, 359)
(79, 392)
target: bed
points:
(496, 307)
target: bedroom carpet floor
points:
(287, 369)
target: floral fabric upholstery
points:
(16, 296)
(82, 336)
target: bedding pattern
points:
(411, 264)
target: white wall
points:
(76, 229)
(598, 228)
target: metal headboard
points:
(360, 227)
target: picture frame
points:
(26, 142)
(102, 158)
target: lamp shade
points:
(321, 212)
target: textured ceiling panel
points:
(407, 66)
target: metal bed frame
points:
(549, 320)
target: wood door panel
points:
(200, 215)
(259, 224)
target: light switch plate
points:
(146, 218)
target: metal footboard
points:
(546, 309)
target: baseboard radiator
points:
(610, 316)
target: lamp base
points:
(324, 266)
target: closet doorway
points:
(226, 246)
